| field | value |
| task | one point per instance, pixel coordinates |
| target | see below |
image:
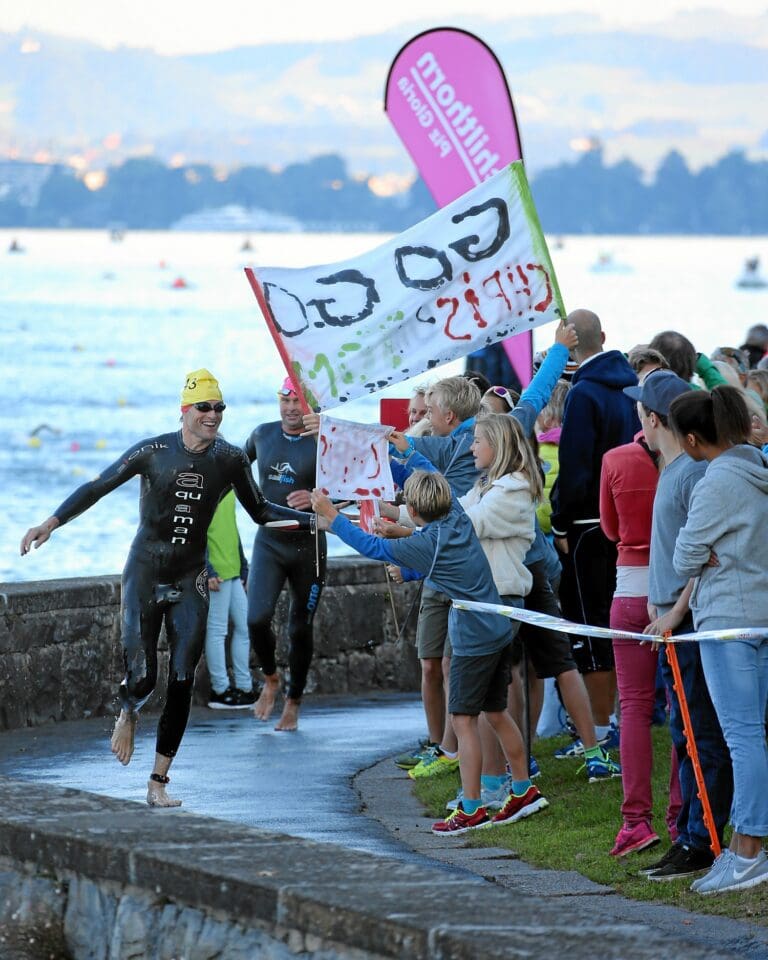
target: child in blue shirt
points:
(447, 553)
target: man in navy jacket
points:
(596, 418)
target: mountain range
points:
(638, 93)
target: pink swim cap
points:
(287, 388)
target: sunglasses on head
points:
(205, 407)
(285, 392)
(504, 393)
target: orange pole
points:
(693, 753)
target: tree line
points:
(729, 196)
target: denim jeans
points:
(228, 602)
(737, 677)
(711, 746)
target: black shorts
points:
(480, 683)
(548, 650)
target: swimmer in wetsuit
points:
(184, 475)
(286, 462)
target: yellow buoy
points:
(101, 444)
(34, 442)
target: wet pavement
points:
(236, 768)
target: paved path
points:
(234, 768)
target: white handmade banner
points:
(353, 460)
(475, 272)
(585, 630)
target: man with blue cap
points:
(668, 607)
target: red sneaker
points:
(460, 822)
(635, 838)
(516, 808)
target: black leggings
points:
(147, 601)
(275, 560)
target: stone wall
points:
(84, 877)
(60, 656)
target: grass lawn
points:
(578, 829)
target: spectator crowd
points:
(617, 491)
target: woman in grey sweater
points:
(724, 545)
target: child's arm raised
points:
(402, 553)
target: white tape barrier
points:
(584, 630)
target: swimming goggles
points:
(204, 407)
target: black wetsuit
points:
(286, 463)
(165, 576)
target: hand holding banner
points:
(353, 460)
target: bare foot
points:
(157, 797)
(264, 706)
(123, 735)
(290, 717)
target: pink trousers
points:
(636, 678)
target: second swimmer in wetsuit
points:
(286, 463)
(184, 475)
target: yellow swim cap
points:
(200, 385)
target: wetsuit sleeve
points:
(256, 505)
(249, 447)
(116, 474)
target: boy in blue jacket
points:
(447, 553)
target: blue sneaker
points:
(600, 768)
(409, 759)
(611, 740)
(533, 769)
(573, 751)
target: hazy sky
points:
(174, 26)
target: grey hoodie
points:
(728, 514)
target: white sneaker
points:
(738, 874)
(709, 878)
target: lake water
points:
(96, 342)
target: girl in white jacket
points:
(501, 506)
(502, 503)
